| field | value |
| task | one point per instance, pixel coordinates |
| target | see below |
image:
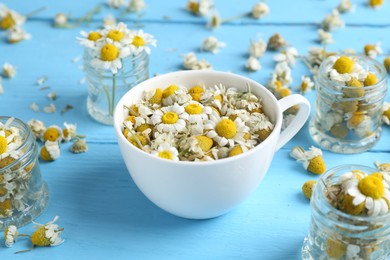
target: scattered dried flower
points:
(52, 96)
(9, 18)
(383, 167)
(17, 34)
(116, 3)
(373, 50)
(332, 21)
(200, 8)
(50, 108)
(1, 85)
(257, 48)
(69, 132)
(375, 3)
(214, 22)
(260, 10)
(306, 85)
(50, 151)
(345, 6)
(9, 71)
(109, 20)
(287, 55)
(79, 146)
(308, 188)
(191, 62)
(47, 234)
(312, 159)
(66, 109)
(276, 42)
(325, 37)
(37, 127)
(212, 45)
(386, 63)
(252, 64)
(34, 107)
(136, 6)
(10, 235)
(60, 20)
(42, 80)
(53, 133)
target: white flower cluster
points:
(13, 22)
(196, 124)
(114, 43)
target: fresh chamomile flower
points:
(170, 119)
(136, 6)
(368, 192)
(90, 39)
(166, 151)
(288, 55)
(37, 127)
(69, 132)
(60, 20)
(312, 159)
(212, 44)
(175, 94)
(197, 113)
(116, 3)
(325, 37)
(276, 42)
(306, 85)
(50, 151)
(386, 113)
(17, 34)
(200, 8)
(9, 71)
(252, 64)
(108, 55)
(226, 132)
(332, 21)
(260, 10)
(79, 146)
(345, 6)
(257, 48)
(373, 50)
(140, 41)
(47, 234)
(53, 133)
(118, 33)
(160, 138)
(9, 18)
(260, 125)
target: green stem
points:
(113, 95)
(108, 97)
(36, 11)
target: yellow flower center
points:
(386, 63)
(109, 52)
(39, 238)
(65, 132)
(193, 7)
(284, 92)
(303, 86)
(278, 84)
(3, 144)
(236, 150)
(45, 155)
(138, 41)
(194, 109)
(308, 188)
(372, 186)
(317, 165)
(157, 97)
(166, 155)
(94, 36)
(134, 111)
(263, 133)
(8, 22)
(170, 118)
(169, 91)
(142, 128)
(226, 128)
(368, 48)
(141, 138)
(115, 35)
(343, 65)
(5, 207)
(375, 3)
(205, 143)
(6, 161)
(196, 93)
(370, 80)
(377, 175)
(218, 97)
(354, 82)
(51, 134)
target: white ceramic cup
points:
(200, 190)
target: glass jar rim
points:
(381, 71)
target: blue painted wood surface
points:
(103, 212)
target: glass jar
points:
(105, 88)
(334, 234)
(23, 193)
(347, 119)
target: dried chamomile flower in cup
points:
(50, 151)
(312, 159)
(79, 146)
(308, 187)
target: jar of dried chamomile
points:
(23, 193)
(349, 99)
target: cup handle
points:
(299, 120)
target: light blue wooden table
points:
(103, 212)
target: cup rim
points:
(119, 110)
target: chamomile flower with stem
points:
(311, 159)
(199, 7)
(215, 21)
(170, 119)
(11, 234)
(166, 151)
(89, 39)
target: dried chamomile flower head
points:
(252, 64)
(10, 235)
(167, 151)
(375, 3)
(386, 113)
(383, 167)
(50, 108)
(212, 44)
(288, 55)
(306, 85)
(17, 34)
(373, 50)
(386, 63)
(53, 133)
(60, 20)
(200, 8)
(9, 18)
(312, 159)
(50, 151)
(345, 6)
(258, 48)
(109, 20)
(335, 249)
(276, 42)
(191, 62)
(37, 127)
(332, 21)
(325, 37)
(79, 146)
(9, 71)
(308, 187)
(260, 10)
(69, 132)
(136, 6)
(343, 65)
(116, 3)
(215, 21)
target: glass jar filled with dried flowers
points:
(350, 215)
(349, 101)
(23, 193)
(115, 60)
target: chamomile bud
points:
(308, 188)
(312, 159)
